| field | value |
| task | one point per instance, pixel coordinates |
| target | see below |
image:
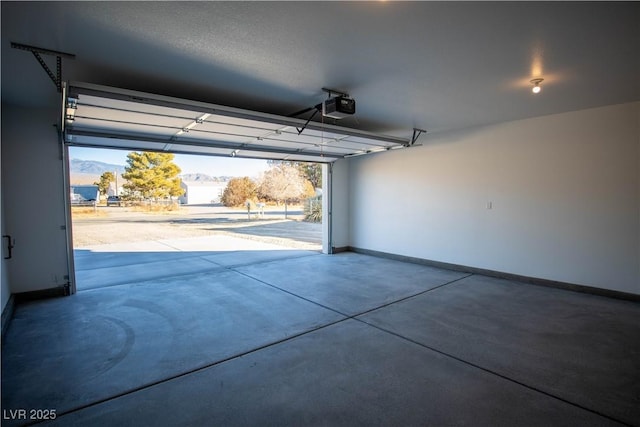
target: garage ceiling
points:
(439, 66)
(100, 116)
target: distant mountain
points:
(89, 171)
(203, 177)
(197, 177)
(93, 167)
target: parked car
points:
(114, 201)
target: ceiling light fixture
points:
(536, 85)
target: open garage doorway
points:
(114, 118)
(222, 212)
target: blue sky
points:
(213, 166)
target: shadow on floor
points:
(97, 269)
(293, 230)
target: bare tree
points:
(311, 171)
(282, 183)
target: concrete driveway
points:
(116, 246)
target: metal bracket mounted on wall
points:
(37, 51)
(416, 134)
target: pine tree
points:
(152, 175)
(105, 181)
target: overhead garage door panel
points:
(83, 124)
(117, 118)
(139, 106)
(114, 142)
(122, 116)
(227, 129)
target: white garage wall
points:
(32, 191)
(340, 205)
(563, 192)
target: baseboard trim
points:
(340, 249)
(41, 294)
(15, 299)
(502, 275)
(7, 314)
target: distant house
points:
(201, 192)
(113, 191)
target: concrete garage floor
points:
(301, 338)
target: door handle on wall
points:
(10, 244)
